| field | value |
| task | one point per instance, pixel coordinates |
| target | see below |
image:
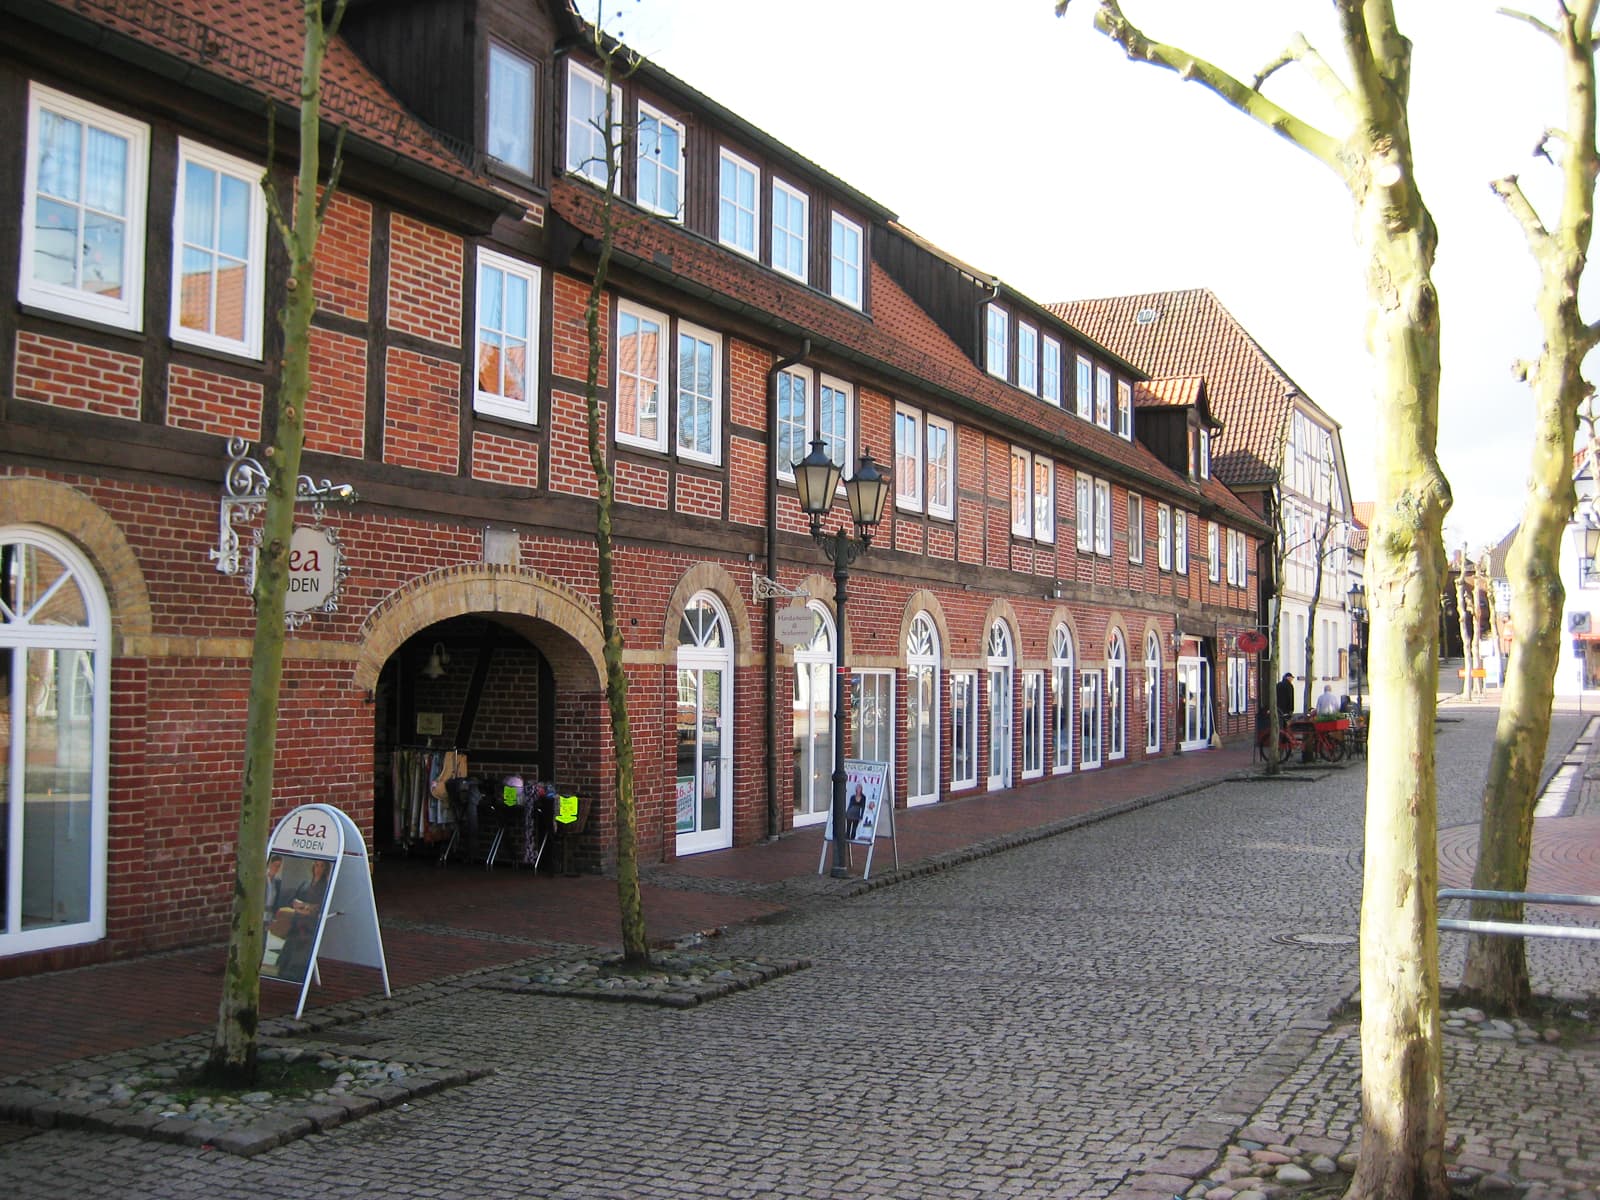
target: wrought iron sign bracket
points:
(244, 494)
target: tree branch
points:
(1529, 19)
(1509, 190)
(1109, 20)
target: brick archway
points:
(564, 626)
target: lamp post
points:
(816, 479)
(1358, 618)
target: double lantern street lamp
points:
(816, 478)
(1358, 618)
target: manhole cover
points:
(1316, 939)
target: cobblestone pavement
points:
(1091, 1015)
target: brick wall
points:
(74, 375)
(425, 266)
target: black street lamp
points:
(816, 478)
(1358, 618)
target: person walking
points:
(1285, 692)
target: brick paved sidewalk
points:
(439, 922)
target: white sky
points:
(1032, 148)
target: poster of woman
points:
(863, 792)
(297, 889)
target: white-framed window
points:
(1237, 558)
(1180, 541)
(507, 338)
(997, 341)
(1033, 709)
(1084, 395)
(1084, 497)
(908, 449)
(1238, 699)
(1021, 492)
(1152, 694)
(1102, 517)
(1116, 697)
(1027, 357)
(659, 154)
(83, 210)
(826, 411)
(1124, 409)
(791, 218)
(941, 467)
(642, 336)
(219, 251)
(1102, 398)
(1090, 715)
(1050, 377)
(922, 711)
(813, 721)
(963, 730)
(699, 393)
(1164, 536)
(738, 203)
(846, 260)
(1044, 499)
(1213, 553)
(586, 124)
(1061, 691)
(1135, 528)
(55, 643)
(1205, 453)
(508, 137)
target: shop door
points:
(704, 725)
(1194, 703)
(872, 721)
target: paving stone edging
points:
(681, 980)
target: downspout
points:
(774, 817)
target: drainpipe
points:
(774, 817)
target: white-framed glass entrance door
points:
(55, 631)
(813, 722)
(1194, 703)
(1002, 662)
(963, 729)
(922, 712)
(704, 728)
(872, 720)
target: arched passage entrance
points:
(500, 665)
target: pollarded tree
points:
(1402, 1153)
(1496, 972)
(233, 1050)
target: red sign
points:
(1252, 641)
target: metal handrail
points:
(1581, 933)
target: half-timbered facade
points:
(1046, 594)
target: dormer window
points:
(659, 173)
(845, 282)
(1124, 410)
(1205, 454)
(738, 204)
(1027, 357)
(997, 342)
(509, 136)
(586, 124)
(1102, 398)
(791, 214)
(1051, 379)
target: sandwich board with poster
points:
(318, 901)
(868, 811)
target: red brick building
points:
(1047, 592)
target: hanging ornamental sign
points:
(317, 567)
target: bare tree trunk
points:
(1496, 971)
(1402, 1155)
(233, 1049)
(635, 944)
(1464, 620)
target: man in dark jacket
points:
(1285, 696)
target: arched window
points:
(922, 711)
(1001, 664)
(705, 727)
(813, 721)
(55, 663)
(1061, 685)
(1152, 694)
(1116, 697)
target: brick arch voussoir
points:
(924, 601)
(67, 511)
(575, 647)
(713, 578)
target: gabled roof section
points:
(1186, 333)
(899, 341)
(229, 47)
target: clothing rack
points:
(422, 810)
